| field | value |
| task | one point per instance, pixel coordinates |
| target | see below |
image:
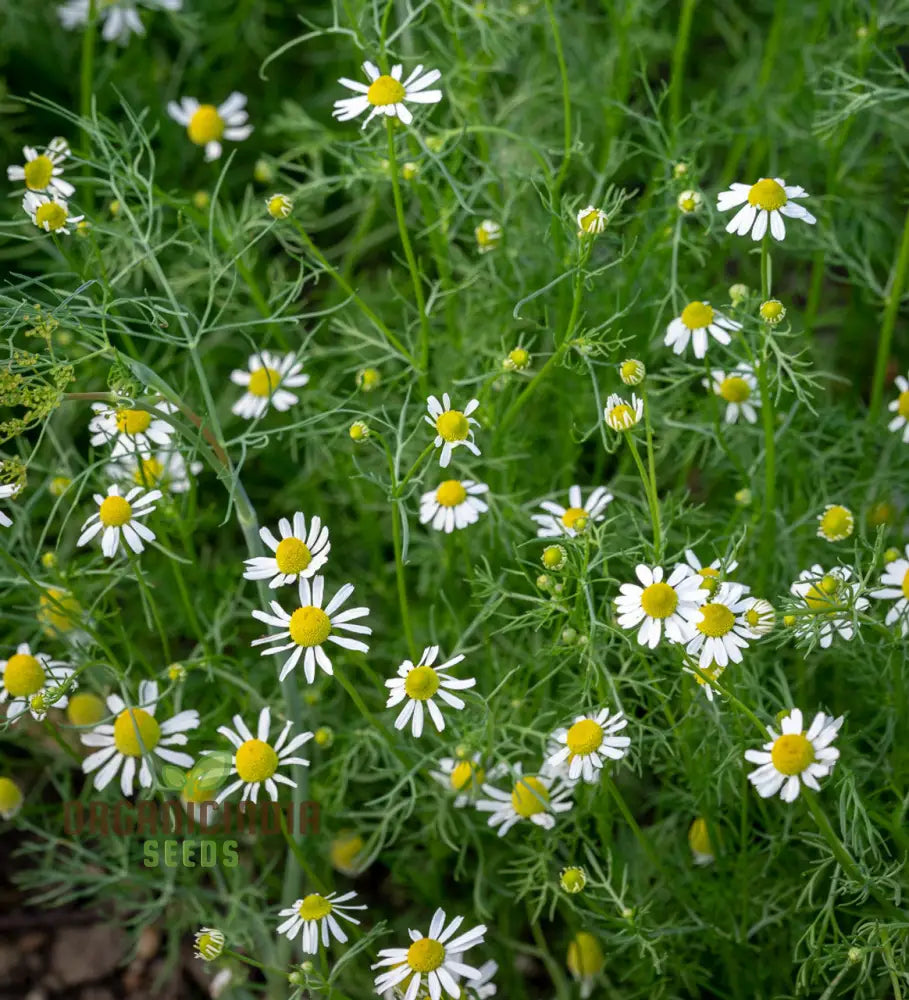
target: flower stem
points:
(768, 417)
(683, 34)
(86, 79)
(651, 468)
(890, 312)
(650, 490)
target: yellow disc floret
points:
(58, 611)
(452, 425)
(451, 493)
(314, 907)
(114, 512)
(425, 955)
(344, 852)
(133, 422)
(902, 405)
(529, 797)
(699, 837)
(585, 956)
(292, 556)
(821, 594)
(85, 709)
(255, 761)
(10, 798)
(584, 738)
(697, 315)
(309, 626)
(717, 620)
(149, 472)
(205, 126)
(836, 523)
(136, 732)
(23, 675)
(792, 753)
(575, 518)
(734, 389)
(466, 775)
(767, 194)
(385, 90)
(38, 173)
(659, 600)
(421, 683)
(51, 216)
(263, 381)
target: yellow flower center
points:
(314, 907)
(585, 957)
(575, 518)
(734, 389)
(697, 315)
(659, 600)
(344, 852)
(149, 472)
(451, 493)
(699, 837)
(23, 676)
(51, 216)
(292, 556)
(309, 626)
(718, 620)
(385, 90)
(263, 381)
(136, 732)
(712, 672)
(114, 512)
(590, 221)
(38, 173)
(820, 595)
(452, 425)
(772, 310)
(837, 523)
(133, 422)
(466, 773)
(902, 406)
(206, 125)
(792, 753)
(425, 955)
(529, 797)
(753, 617)
(10, 796)
(421, 683)
(584, 737)
(622, 416)
(767, 194)
(255, 761)
(519, 357)
(710, 578)
(85, 709)
(57, 610)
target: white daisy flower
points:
(386, 94)
(309, 627)
(165, 470)
(534, 797)
(452, 427)
(760, 617)
(454, 504)
(7, 491)
(586, 745)
(718, 629)
(488, 235)
(698, 319)
(119, 18)
(591, 221)
(298, 554)
(256, 761)
(895, 587)
(795, 757)
(763, 204)
(738, 389)
(118, 516)
(44, 171)
(900, 406)
(585, 961)
(483, 987)
(574, 518)
(621, 415)
(832, 598)
(714, 574)
(267, 380)
(316, 915)
(418, 683)
(659, 604)
(464, 777)
(49, 213)
(704, 675)
(132, 432)
(133, 738)
(30, 682)
(436, 956)
(206, 125)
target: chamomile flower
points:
(118, 517)
(279, 206)
(49, 213)
(573, 519)
(164, 470)
(119, 18)
(206, 125)
(587, 744)
(307, 629)
(795, 757)
(763, 206)
(660, 605)
(698, 319)
(831, 597)
(699, 842)
(895, 587)
(299, 553)
(738, 389)
(267, 380)
(622, 415)
(11, 798)
(464, 777)
(30, 682)
(454, 504)
(483, 987)
(44, 171)
(718, 632)
(835, 523)
(7, 491)
(760, 617)
(704, 675)
(585, 961)
(132, 432)
(714, 574)
(438, 956)
(900, 406)
(591, 221)
(316, 915)
(209, 943)
(419, 683)
(453, 427)
(538, 798)
(488, 235)
(256, 761)
(134, 738)
(386, 94)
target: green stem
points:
(890, 312)
(650, 491)
(683, 34)
(86, 80)
(768, 419)
(651, 468)
(424, 454)
(566, 99)
(532, 387)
